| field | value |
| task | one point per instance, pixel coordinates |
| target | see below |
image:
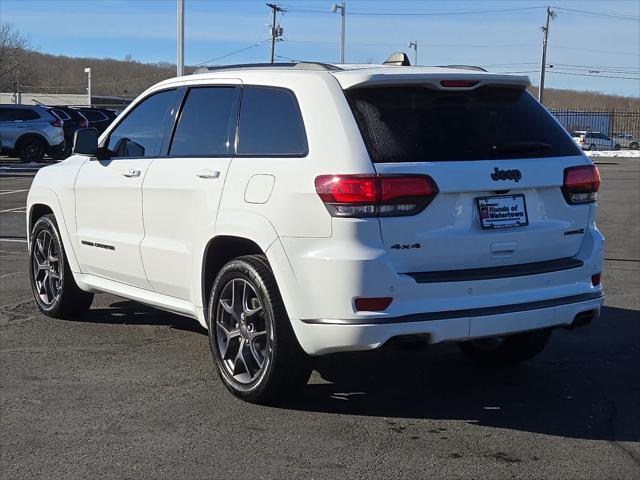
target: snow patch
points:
(614, 153)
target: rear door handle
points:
(209, 174)
(132, 172)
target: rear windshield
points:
(94, 115)
(418, 124)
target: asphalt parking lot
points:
(129, 391)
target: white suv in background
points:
(297, 210)
(595, 141)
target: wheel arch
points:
(27, 135)
(42, 201)
(218, 251)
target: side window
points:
(26, 114)
(270, 123)
(7, 114)
(141, 132)
(207, 122)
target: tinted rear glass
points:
(61, 114)
(418, 124)
(270, 123)
(207, 122)
(94, 116)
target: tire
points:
(593, 147)
(60, 155)
(54, 288)
(634, 146)
(617, 147)
(508, 350)
(32, 149)
(254, 349)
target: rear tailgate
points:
(498, 158)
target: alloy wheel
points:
(45, 262)
(241, 331)
(32, 151)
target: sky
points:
(593, 45)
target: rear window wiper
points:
(521, 147)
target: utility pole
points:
(545, 31)
(414, 45)
(342, 7)
(88, 72)
(276, 30)
(180, 46)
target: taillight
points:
(595, 279)
(375, 195)
(56, 123)
(581, 184)
(83, 123)
(458, 83)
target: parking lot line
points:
(15, 210)
(9, 192)
(14, 240)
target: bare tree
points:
(13, 47)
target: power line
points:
(596, 51)
(398, 14)
(598, 14)
(592, 75)
(374, 44)
(470, 12)
(233, 53)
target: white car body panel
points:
(109, 219)
(162, 222)
(177, 192)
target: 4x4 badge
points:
(506, 174)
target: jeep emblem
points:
(506, 174)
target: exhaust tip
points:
(583, 318)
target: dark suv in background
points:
(72, 120)
(99, 118)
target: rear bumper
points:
(59, 148)
(328, 336)
(326, 275)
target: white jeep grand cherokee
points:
(301, 209)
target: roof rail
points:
(317, 66)
(464, 67)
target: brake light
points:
(458, 83)
(375, 195)
(595, 279)
(581, 184)
(56, 123)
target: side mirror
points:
(85, 141)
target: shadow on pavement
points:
(133, 313)
(585, 385)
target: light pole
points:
(334, 8)
(88, 72)
(414, 45)
(180, 46)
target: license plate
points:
(503, 211)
